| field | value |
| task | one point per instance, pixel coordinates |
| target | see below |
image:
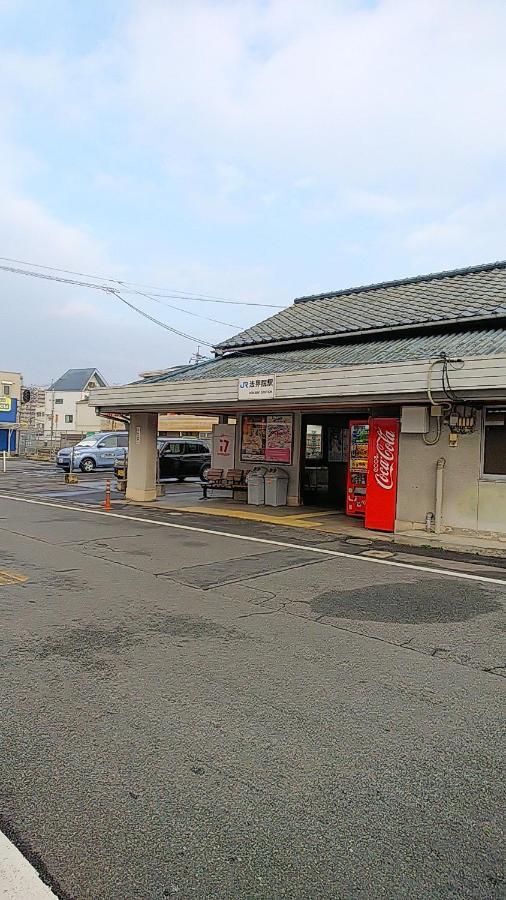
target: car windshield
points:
(89, 442)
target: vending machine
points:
(356, 486)
(382, 474)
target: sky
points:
(257, 150)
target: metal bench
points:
(216, 480)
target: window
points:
(108, 442)
(202, 448)
(494, 442)
(69, 419)
(6, 390)
(171, 449)
(122, 440)
(58, 400)
(314, 442)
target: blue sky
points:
(251, 149)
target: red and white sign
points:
(223, 446)
(382, 474)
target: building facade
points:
(385, 402)
(10, 405)
(63, 399)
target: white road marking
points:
(18, 879)
(340, 554)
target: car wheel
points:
(203, 472)
(87, 465)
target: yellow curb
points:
(296, 521)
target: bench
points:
(234, 480)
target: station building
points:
(386, 402)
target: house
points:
(386, 401)
(66, 402)
(10, 403)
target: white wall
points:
(86, 419)
(67, 407)
(469, 502)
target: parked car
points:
(178, 458)
(97, 451)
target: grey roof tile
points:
(475, 342)
(473, 293)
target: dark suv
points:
(179, 458)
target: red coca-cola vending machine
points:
(382, 474)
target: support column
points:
(141, 471)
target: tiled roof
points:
(489, 342)
(473, 293)
(76, 380)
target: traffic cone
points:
(107, 503)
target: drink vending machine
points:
(356, 486)
(371, 488)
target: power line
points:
(108, 290)
(126, 285)
(146, 315)
(187, 312)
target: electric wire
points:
(183, 334)
(169, 293)
(111, 291)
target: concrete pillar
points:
(141, 472)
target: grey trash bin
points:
(256, 486)
(276, 487)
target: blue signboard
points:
(8, 417)
(8, 409)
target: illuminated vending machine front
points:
(356, 488)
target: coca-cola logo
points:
(384, 458)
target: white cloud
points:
(472, 234)
(262, 115)
(358, 96)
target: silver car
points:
(97, 451)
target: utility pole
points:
(52, 414)
(197, 356)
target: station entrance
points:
(349, 464)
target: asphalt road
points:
(202, 716)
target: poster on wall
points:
(278, 439)
(253, 438)
(267, 438)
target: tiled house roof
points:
(477, 293)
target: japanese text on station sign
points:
(257, 387)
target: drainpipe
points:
(438, 519)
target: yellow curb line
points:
(296, 521)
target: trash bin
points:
(256, 486)
(276, 487)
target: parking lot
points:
(233, 711)
(44, 479)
